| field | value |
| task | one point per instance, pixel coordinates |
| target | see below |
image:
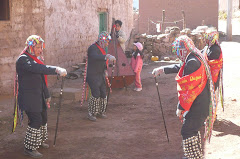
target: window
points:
(4, 10)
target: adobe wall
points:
(26, 18)
(67, 26)
(72, 26)
(195, 11)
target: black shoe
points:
(91, 117)
(32, 153)
(102, 115)
(44, 145)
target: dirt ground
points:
(134, 128)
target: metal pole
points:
(161, 107)
(229, 21)
(59, 107)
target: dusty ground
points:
(134, 128)
(225, 143)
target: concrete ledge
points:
(73, 94)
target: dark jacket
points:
(32, 90)
(200, 106)
(214, 52)
(96, 62)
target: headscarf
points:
(211, 37)
(32, 41)
(103, 38)
(182, 46)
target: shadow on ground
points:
(235, 38)
(226, 127)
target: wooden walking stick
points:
(161, 107)
(109, 88)
(59, 107)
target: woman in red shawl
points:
(193, 93)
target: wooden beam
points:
(163, 20)
(184, 19)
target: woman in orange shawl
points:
(193, 93)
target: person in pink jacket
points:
(137, 63)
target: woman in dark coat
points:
(33, 94)
(96, 69)
(214, 57)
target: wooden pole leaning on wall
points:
(163, 19)
(184, 19)
(148, 26)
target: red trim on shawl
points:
(215, 66)
(102, 51)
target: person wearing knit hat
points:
(32, 94)
(195, 94)
(213, 54)
(96, 70)
(137, 63)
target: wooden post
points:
(138, 22)
(163, 19)
(148, 26)
(229, 21)
(184, 19)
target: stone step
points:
(69, 95)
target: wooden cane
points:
(59, 107)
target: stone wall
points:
(67, 26)
(161, 45)
(195, 12)
(26, 18)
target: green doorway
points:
(103, 21)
